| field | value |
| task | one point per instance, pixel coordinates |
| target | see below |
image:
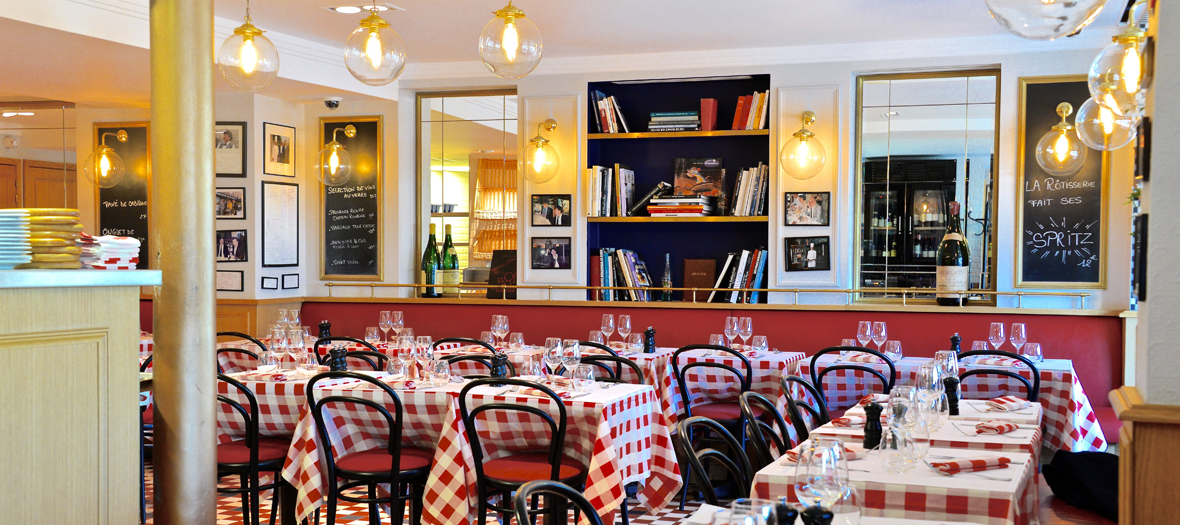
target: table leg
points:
(287, 496)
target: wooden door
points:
(9, 183)
(47, 185)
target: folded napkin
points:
(851, 452)
(850, 421)
(951, 468)
(880, 398)
(1006, 362)
(995, 426)
(273, 377)
(537, 393)
(862, 358)
(752, 353)
(1007, 404)
(399, 385)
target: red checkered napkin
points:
(851, 452)
(1006, 362)
(879, 398)
(995, 426)
(862, 358)
(951, 468)
(849, 422)
(1007, 404)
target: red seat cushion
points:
(529, 467)
(149, 415)
(724, 411)
(269, 449)
(378, 460)
(1110, 423)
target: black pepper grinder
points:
(337, 362)
(325, 329)
(649, 340)
(951, 386)
(872, 425)
(817, 516)
(955, 339)
(499, 365)
(784, 513)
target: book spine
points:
(595, 277)
(602, 117)
(737, 190)
(744, 297)
(765, 109)
(610, 111)
(620, 201)
(594, 112)
(749, 102)
(737, 113)
(738, 278)
(674, 114)
(708, 114)
(660, 188)
(721, 277)
(619, 114)
(756, 282)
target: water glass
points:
(596, 337)
(920, 437)
(928, 382)
(848, 510)
(979, 345)
(1018, 336)
(553, 351)
(896, 450)
(759, 344)
(996, 335)
(903, 410)
(821, 471)
(372, 336)
(439, 371)
(531, 370)
(488, 337)
(753, 511)
(864, 332)
(608, 325)
(407, 332)
(385, 322)
(571, 354)
(583, 376)
(879, 334)
(282, 317)
(396, 368)
(937, 413)
(269, 362)
(848, 342)
(308, 363)
(731, 330)
(516, 341)
(715, 340)
(624, 326)
(293, 318)
(1033, 352)
(893, 350)
(635, 343)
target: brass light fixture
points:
(374, 53)
(333, 165)
(1101, 128)
(1044, 19)
(1118, 73)
(541, 158)
(802, 157)
(248, 60)
(510, 45)
(1060, 152)
(104, 168)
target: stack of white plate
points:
(14, 238)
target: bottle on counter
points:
(666, 295)
(430, 264)
(449, 273)
(953, 262)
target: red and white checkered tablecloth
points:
(1069, 421)
(1026, 439)
(279, 406)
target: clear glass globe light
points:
(1044, 19)
(333, 165)
(1060, 152)
(104, 168)
(510, 46)
(1116, 76)
(374, 53)
(802, 157)
(248, 60)
(540, 162)
(1101, 128)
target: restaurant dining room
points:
(349, 262)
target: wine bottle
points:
(954, 262)
(667, 293)
(430, 264)
(451, 275)
(893, 249)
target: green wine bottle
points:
(954, 262)
(430, 264)
(450, 272)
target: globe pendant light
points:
(374, 53)
(1117, 74)
(541, 158)
(1103, 129)
(803, 156)
(1060, 152)
(248, 60)
(510, 45)
(104, 168)
(1044, 19)
(333, 165)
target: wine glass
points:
(879, 334)
(897, 450)
(745, 328)
(278, 344)
(406, 346)
(372, 336)
(385, 321)
(516, 341)
(423, 351)
(499, 327)
(893, 350)
(759, 344)
(296, 341)
(731, 330)
(624, 326)
(553, 351)
(282, 322)
(820, 472)
(928, 381)
(1033, 352)
(398, 323)
(608, 326)
(596, 337)
(571, 354)
(293, 318)
(1018, 336)
(996, 336)
(864, 332)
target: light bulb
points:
(334, 163)
(1103, 129)
(511, 40)
(1132, 73)
(803, 156)
(538, 158)
(374, 53)
(1107, 118)
(104, 165)
(249, 56)
(1059, 152)
(510, 45)
(104, 168)
(1117, 74)
(373, 49)
(247, 59)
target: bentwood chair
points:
(327, 341)
(1032, 388)
(739, 470)
(549, 489)
(243, 356)
(403, 468)
(818, 414)
(598, 346)
(474, 358)
(761, 436)
(249, 456)
(146, 428)
(613, 375)
(817, 378)
(377, 361)
(256, 342)
(507, 473)
(464, 341)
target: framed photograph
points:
(278, 143)
(806, 254)
(230, 281)
(231, 246)
(552, 210)
(551, 253)
(1139, 257)
(290, 281)
(280, 224)
(270, 283)
(1143, 150)
(229, 155)
(231, 203)
(807, 209)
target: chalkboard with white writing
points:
(1061, 218)
(123, 208)
(352, 212)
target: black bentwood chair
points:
(761, 436)
(1032, 388)
(818, 414)
(465, 341)
(251, 357)
(327, 341)
(817, 379)
(739, 469)
(249, 456)
(546, 488)
(613, 374)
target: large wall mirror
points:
(37, 157)
(924, 140)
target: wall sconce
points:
(541, 158)
(104, 168)
(1059, 151)
(803, 156)
(248, 60)
(1103, 128)
(333, 164)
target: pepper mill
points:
(955, 339)
(951, 386)
(872, 425)
(325, 329)
(499, 365)
(337, 362)
(649, 340)
(817, 516)
(785, 513)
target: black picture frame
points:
(230, 281)
(224, 200)
(799, 209)
(1139, 257)
(540, 260)
(290, 281)
(234, 254)
(270, 259)
(797, 254)
(226, 163)
(280, 162)
(1143, 151)
(541, 202)
(270, 283)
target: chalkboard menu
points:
(352, 212)
(123, 208)
(1062, 218)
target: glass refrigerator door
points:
(927, 223)
(881, 248)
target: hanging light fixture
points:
(333, 164)
(1102, 128)
(1117, 75)
(803, 156)
(1060, 152)
(104, 168)
(510, 45)
(248, 60)
(541, 159)
(1044, 19)
(374, 53)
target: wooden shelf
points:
(720, 218)
(681, 134)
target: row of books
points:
(610, 117)
(750, 192)
(618, 267)
(752, 111)
(674, 121)
(681, 206)
(611, 191)
(745, 270)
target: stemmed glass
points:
(571, 354)
(624, 326)
(398, 323)
(295, 345)
(996, 336)
(282, 322)
(553, 351)
(424, 352)
(821, 472)
(406, 348)
(864, 332)
(500, 327)
(1018, 337)
(731, 330)
(745, 328)
(608, 326)
(293, 318)
(385, 321)
(278, 344)
(879, 334)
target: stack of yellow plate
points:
(53, 235)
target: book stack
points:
(743, 270)
(618, 267)
(680, 206)
(750, 192)
(611, 191)
(752, 111)
(610, 117)
(675, 121)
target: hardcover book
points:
(697, 177)
(699, 273)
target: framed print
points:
(125, 208)
(231, 203)
(290, 281)
(808, 254)
(1143, 150)
(231, 246)
(1139, 257)
(230, 281)
(280, 224)
(551, 253)
(552, 210)
(270, 283)
(278, 143)
(807, 209)
(351, 213)
(229, 151)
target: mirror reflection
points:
(37, 158)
